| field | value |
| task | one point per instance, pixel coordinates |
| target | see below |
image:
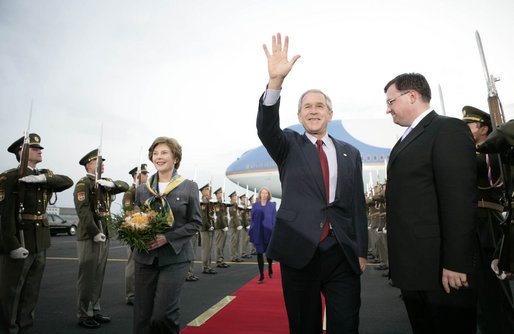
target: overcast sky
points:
(194, 70)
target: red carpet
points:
(257, 308)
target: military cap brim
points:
(202, 188)
(471, 115)
(93, 155)
(232, 194)
(34, 142)
(218, 190)
(144, 170)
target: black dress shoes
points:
(89, 323)
(209, 271)
(192, 278)
(102, 319)
(222, 265)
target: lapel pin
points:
(345, 154)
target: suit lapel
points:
(416, 132)
(312, 158)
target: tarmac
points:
(382, 309)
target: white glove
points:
(41, 178)
(247, 228)
(225, 229)
(239, 228)
(100, 237)
(494, 267)
(19, 253)
(106, 184)
(211, 228)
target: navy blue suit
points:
(302, 215)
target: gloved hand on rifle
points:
(100, 237)
(225, 229)
(34, 178)
(106, 184)
(239, 228)
(19, 253)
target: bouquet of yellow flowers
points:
(136, 227)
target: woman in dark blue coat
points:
(261, 225)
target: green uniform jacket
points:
(221, 215)
(84, 197)
(235, 216)
(489, 230)
(244, 215)
(207, 214)
(129, 197)
(381, 203)
(36, 232)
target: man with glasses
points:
(432, 244)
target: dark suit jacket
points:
(304, 207)
(431, 203)
(185, 205)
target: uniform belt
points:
(105, 214)
(27, 216)
(490, 205)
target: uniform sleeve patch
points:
(81, 196)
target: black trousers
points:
(329, 273)
(438, 312)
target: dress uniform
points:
(93, 240)
(207, 229)
(495, 314)
(220, 229)
(380, 236)
(128, 203)
(374, 221)
(22, 266)
(234, 228)
(245, 223)
(253, 251)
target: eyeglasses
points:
(391, 101)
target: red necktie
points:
(326, 175)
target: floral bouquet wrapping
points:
(136, 227)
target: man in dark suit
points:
(320, 235)
(432, 241)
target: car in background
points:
(58, 225)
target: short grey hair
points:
(329, 101)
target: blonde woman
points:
(261, 225)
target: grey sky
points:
(194, 70)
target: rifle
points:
(22, 172)
(498, 118)
(138, 172)
(98, 176)
(211, 223)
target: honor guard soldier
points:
(128, 203)
(253, 251)
(245, 223)
(207, 229)
(380, 236)
(93, 238)
(495, 312)
(220, 229)
(24, 233)
(234, 228)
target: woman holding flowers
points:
(160, 271)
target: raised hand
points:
(278, 64)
